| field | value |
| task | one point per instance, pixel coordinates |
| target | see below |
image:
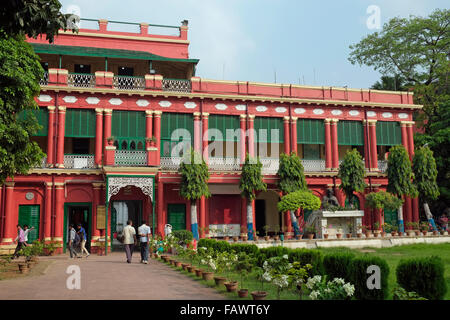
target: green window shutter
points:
(80, 123)
(222, 123)
(128, 128)
(172, 121)
(388, 133)
(350, 133)
(30, 216)
(41, 115)
(310, 131)
(266, 125)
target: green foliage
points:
(33, 18)
(399, 173)
(251, 178)
(183, 236)
(249, 249)
(20, 72)
(425, 174)
(194, 177)
(401, 294)
(308, 256)
(291, 174)
(337, 265)
(351, 173)
(269, 252)
(299, 199)
(424, 276)
(383, 200)
(358, 277)
(396, 83)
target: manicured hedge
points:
(359, 277)
(305, 256)
(249, 249)
(425, 276)
(337, 265)
(266, 253)
(184, 236)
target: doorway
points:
(121, 212)
(78, 213)
(176, 216)
(260, 216)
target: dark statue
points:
(330, 200)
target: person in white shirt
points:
(129, 240)
(26, 230)
(144, 233)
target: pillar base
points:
(61, 166)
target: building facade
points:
(118, 109)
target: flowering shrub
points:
(337, 289)
(276, 271)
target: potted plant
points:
(310, 231)
(358, 233)
(349, 230)
(110, 140)
(243, 266)
(276, 229)
(339, 233)
(261, 276)
(231, 259)
(384, 226)
(376, 229)
(256, 233)
(366, 230)
(225, 231)
(424, 226)
(266, 231)
(394, 230)
(325, 231)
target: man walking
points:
(26, 231)
(20, 240)
(72, 237)
(83, 238)
(129, 240)
(144, 233)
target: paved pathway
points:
(108, 277)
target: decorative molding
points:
(62, 109)
(221, 106)
(142, 103)
(44, 98)
(117, 183)
(371, 114)
(280, 109)
(403, 116)
(299, 110)
(386, 115)
(336, 112)
(318, 111)
(241, 107)
(115, 101)
(353, 113)
(165, 104)
(70, 99)
(261, 108)
(190, 105)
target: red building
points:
(109, 105)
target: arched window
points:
(132, 145)
(124, 145)
(140, 145)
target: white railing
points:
(313, 165)
(170, 163)
(224, 164)
(79, 161)
(270, 165)
(176, 85)
(81, 80)
(44, 79)
(382, 165)
(130, 158)
(129, 83)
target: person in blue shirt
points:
(83, 238)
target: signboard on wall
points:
(101, 216)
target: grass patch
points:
(11, 270)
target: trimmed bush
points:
(337, 265)
(207, 243)
(266, 253)
(305, 256)
(249, 249)
(183, 236)
(359, 277)
(425, 276)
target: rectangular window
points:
(30, 216)
(80, 123)
(223, 123)
(171, 136)
(350, 133)
(388, 133)
(41, 116)
(310, 131)
(269, 130)
(128, 129)
(82, 68)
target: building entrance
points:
(122, 211)
(77, 213)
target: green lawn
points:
(392, 255)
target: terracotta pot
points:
(227, 238)
(267, 238)
(417, 232)
(23, 268)
(220, 281)
(259, 295)
(191, 269)
(178, 264)
(231, 286)
(235, 239)
(299, 236)
(383, 234)
(400, 234)
(393, 233)
(339, 235)
(359, 235)
(325, 235)
(368, 234)
(310, 236)
(442, 232)
(243, 293)
(276, 238)
(376, 234)
(435, 233)
(207, 276)
(349, 235)
(185, 265)
(255, 237)
(198, 272)
(424, 233)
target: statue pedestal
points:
(338, 220)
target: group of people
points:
(21, 239)
(130, 240)
(77, 242)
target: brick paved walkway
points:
(108, 277)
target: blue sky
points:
(304, 42)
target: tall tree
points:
(251, 181)
(425, 173)
(395, 83)
(194, 184)
(416, 49)
(20, 72)
(400, 176)
(351, 172)
(291, 179)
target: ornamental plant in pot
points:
(220, 261)
(349, 229)
(310, 231)
(244, 266)
(358, 233)
(276, 228)
(110, 140)
(231, 259)
(376, 229)
(339, 233)
(424, 227)
(325, 231)
(262, 276)
(266, 232)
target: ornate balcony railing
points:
(84, 80)
(44, 80)
(79, 161)
(129, 83)
(382, 165)
(176, 85)
(170, 163)
(131, 158)
(313, 165)
(269, 165)
(224, 164)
